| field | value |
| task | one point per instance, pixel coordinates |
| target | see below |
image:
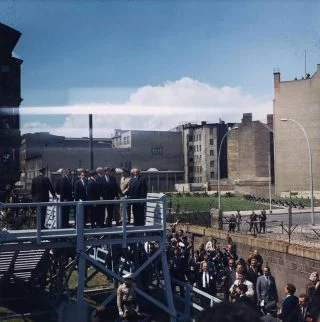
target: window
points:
(200, 148)
(211, 175)
(211, 152)
(190, 137)
(200, 179)
(211, 131)
(157, 150)
(211, 164)
(211, 141)
(128, 139)
(200, 169)
(190, 160)
(199, 137)
(190, 148)
(197, 148)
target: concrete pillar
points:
(216, 218)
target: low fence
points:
(192, 218)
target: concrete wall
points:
(288, 263)
(298, 100)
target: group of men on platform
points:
(100, 184)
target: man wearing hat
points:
(40, 188)
(126, 296)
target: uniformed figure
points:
(262, 221)
(253, 222)
(126, 296)
(232, 223)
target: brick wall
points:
(288, 263)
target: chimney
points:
(203, 123)
(270, 120)
(276, 78)
(318, 68)
(247, 118)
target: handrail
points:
(80, 231)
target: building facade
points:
(298, 100)
(250, 155)
(146, 149)
(201, 144)
(10, 100)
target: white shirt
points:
(205, 279)
(249, 293)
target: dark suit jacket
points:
(40, 188)
(138, 188)
(244, 299)
(80, 190)
(288, 305)
(65, 189)
(108, 190)
(93, 190)
(227, 281)
(211, 288)
(252, 276)
(297, 316)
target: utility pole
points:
(90, 143)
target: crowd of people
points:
(100, 184)
(217, 270)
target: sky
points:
(155, 64)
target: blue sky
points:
(80, 52)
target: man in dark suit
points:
(138, 190)
(252, 276)
(93, 193)
(301, 312)
(290, 303)
(206, 281)
(40, 188)
(227, 272)
(266, 288)
(109, 192)
(80, 187)
(65, 189)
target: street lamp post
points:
(310, 164)
(219, 152)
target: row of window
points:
(197, 169)
(157, 150)
(126, 140)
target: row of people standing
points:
(100, 184)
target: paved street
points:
(302, 217)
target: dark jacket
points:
(211, 288)
(245, 299)
(40, 188)
(288, 306)
(93, 190)
(80, 189)
(138, 188)
(65, 189)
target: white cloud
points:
(159, 108)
